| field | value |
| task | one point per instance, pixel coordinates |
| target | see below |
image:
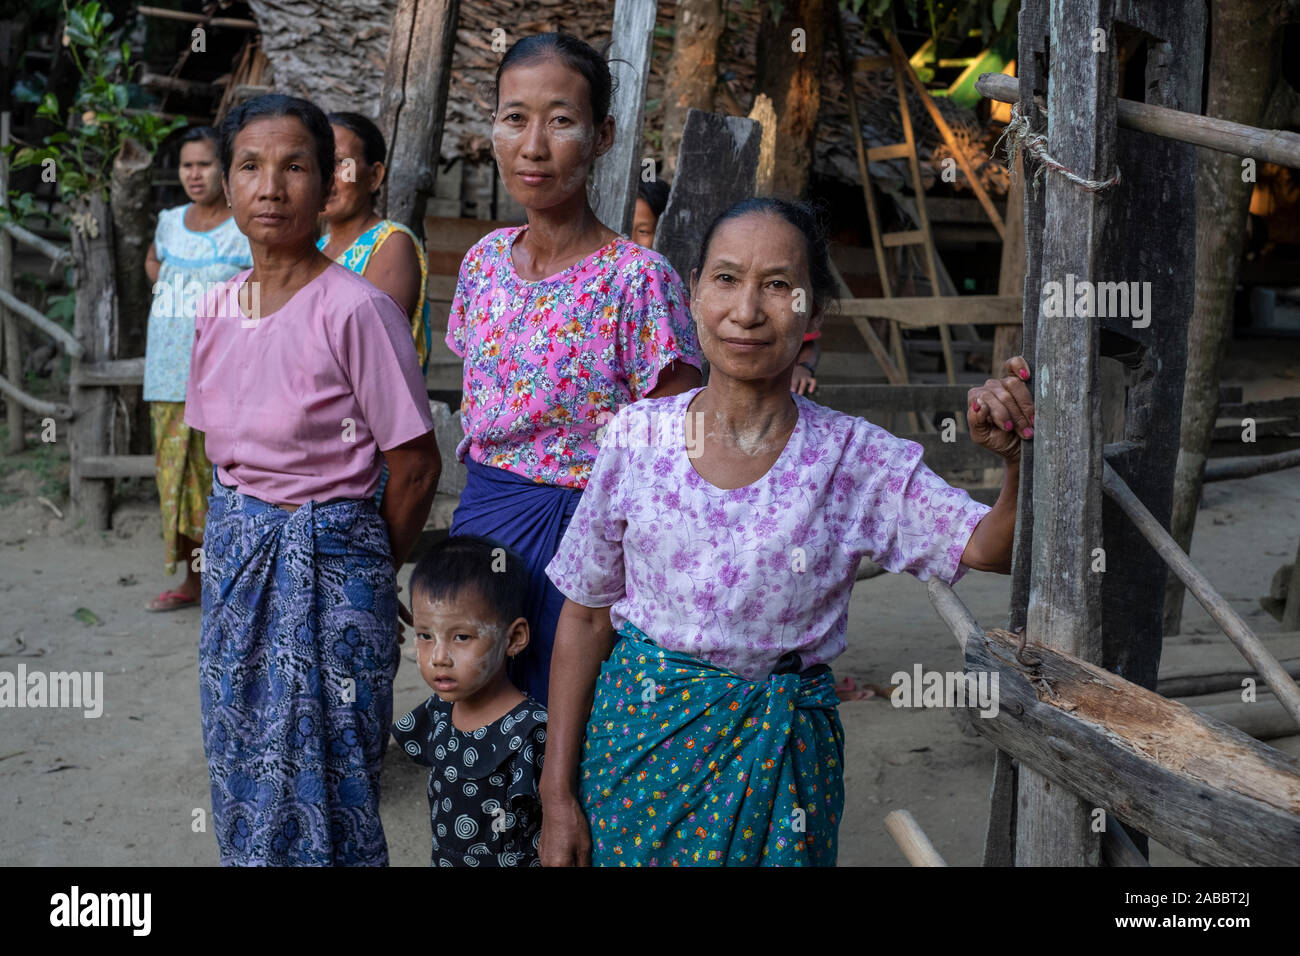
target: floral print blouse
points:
(548, 362)
(741, 577)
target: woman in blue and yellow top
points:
(356, 236)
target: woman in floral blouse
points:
(560, 322)
(709, 717)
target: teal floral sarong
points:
(690, 764)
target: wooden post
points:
(95, 326)
(618, 170)
(129, 198)
(1064, 610)
(12, 337)
(413, 104)
(715, 169)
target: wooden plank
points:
(894, 151)
(1203, 789)
(1269, 145)
(110, 373)
(618, 170)
(232, 23)
(117, 466)
(716, 163)
(949, 456)
(910, 237)
(1237, 630)
(1291, 610)
(413, 104)
(923, 311)
(871, 64)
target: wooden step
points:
(894, 151)
(107, 374)
(912, 237)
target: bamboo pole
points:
(1271, 145)
(911, 839)
(1226, 469)
(28, 238)
(52, 329)
(20, 398)
(1238, 632)
(12, 335)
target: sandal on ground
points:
(171, 601)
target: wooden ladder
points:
(920, 236)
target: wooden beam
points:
(1227, 469)
(413, 104)
(1118, 848)
(1054, 825)
(1270, 145)
(1198, 786)
(618, 171)
(111, 373)
(1238, 632)
(924, 310)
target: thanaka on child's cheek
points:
(460, 650)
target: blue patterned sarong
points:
(690, 764)
(531, 518)
(297, 656)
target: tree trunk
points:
(95, 326)
(414, 103)
(1244, 63)
(132, 232)
(790, 58)
(692, 74)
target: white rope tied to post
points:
(1020, 135)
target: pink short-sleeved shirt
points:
(740, 577)
(547, 362)
(296, 406)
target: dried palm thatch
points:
(334, 54)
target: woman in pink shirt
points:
(560, 322)
(711, 732)
(304, 378)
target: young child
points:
(482, 736)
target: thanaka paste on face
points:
(473, 671)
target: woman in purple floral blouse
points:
(720, 535)
(560, 322)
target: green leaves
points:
(1000, 8)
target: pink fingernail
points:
(1007, 426)
(1024, 373)
(1029, 433)
(974, 406)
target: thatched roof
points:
(335, 56)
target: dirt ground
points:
(123, 789)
